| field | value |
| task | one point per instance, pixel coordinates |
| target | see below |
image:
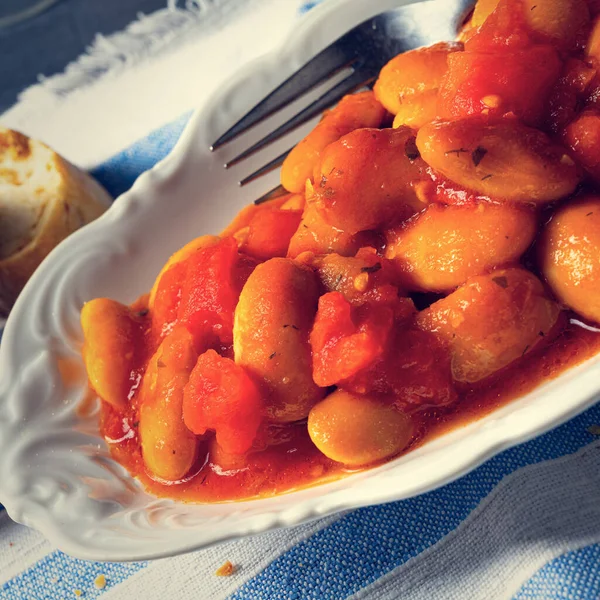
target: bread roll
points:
(43, 198)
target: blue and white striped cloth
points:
(525, 525)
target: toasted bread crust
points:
(70, 200)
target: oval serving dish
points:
(56, 473)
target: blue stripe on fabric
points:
(573, 576)
(370, 542)
(119, 173)
(58, 576)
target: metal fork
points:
(361, 53)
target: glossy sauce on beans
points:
(295, 462)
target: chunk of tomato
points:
(270, 232)
(347, 339)
(582, 136)
(221, 396)
(215, 277)
(415, 370)
(504, 30)
(496, 84)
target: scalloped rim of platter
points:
(56, 472)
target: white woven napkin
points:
(134, 81)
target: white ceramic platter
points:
(56, 474)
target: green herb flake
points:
(501, 281)
(478, 154)
(456, 151)
(376, 267)
(411, 150)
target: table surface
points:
(45, 44)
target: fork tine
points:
(276, 192)
(273, 164)
(320, 68)
(348, 85)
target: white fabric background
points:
(165, 65)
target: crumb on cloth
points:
(100, 582)
(225, 570)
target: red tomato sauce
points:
(293, 461)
